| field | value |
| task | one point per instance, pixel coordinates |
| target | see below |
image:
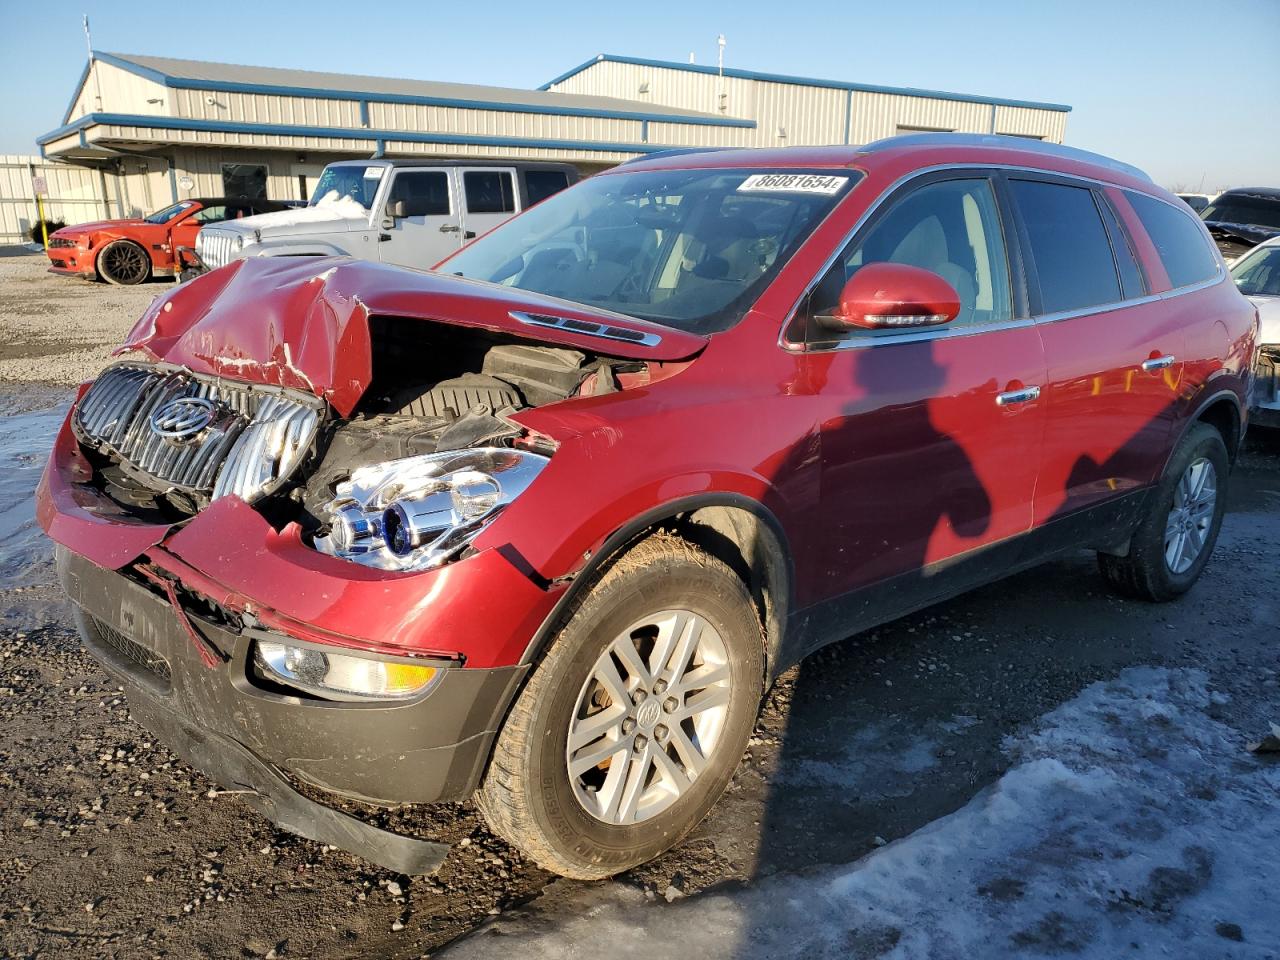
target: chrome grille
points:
(216, 248)
(253, 442)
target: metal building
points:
(161, 129)
(802, 111)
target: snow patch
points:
(1130, 823)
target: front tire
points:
(1176, 537)
(123, 263)
(632, 725)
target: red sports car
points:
(129, 251)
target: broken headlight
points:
(417, 513)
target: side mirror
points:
(398, 209)
(893, 296)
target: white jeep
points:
(408, 212)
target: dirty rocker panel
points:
(1100, 527)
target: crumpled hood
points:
(302, 322)
(329, 217)
(1249, 232)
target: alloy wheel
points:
(1194, 501)
(648, 717)
(124, 263)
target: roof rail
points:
(1005, 142)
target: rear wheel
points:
(632, 725)
(123, 262)
(1177, 536)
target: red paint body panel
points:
(919, 462)
(874, 461)
(479, 608)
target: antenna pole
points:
(97, 83)
(724, 97)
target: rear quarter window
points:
(1183, 248)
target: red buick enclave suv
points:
(543, 525)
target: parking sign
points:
(40, 186)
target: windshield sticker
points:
(373, 173)
(792, 183)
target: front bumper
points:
(188, 264)
(71, 261)
(430, 749)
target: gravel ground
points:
(111, 847)
(57, 329)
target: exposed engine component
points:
(453, 398)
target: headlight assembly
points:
(417, 513)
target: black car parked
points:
(1240, 219)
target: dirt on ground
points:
(56, 329)
(111, 847)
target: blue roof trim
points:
(226, 86)
(808, 82)
(347, 133)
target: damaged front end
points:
(267, 512)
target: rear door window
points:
(489, 191)
(1183, 248)
(1070, 249)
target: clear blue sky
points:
(1187, 90)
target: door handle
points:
(1158, 363)
(384, 237)
(449, 228)
(1010, 397)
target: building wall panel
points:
(1023, 122)
(879, 115)
(75, 195)
(122, 92)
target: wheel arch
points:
(110, 241)
(734, 528)
(1221, 410)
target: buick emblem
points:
(183, 418)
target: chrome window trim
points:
(944, 332)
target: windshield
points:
(168, 213)
(690, 249)
(1257, 274)
(1259, 211)
(356, 181)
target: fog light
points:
(341, 675)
